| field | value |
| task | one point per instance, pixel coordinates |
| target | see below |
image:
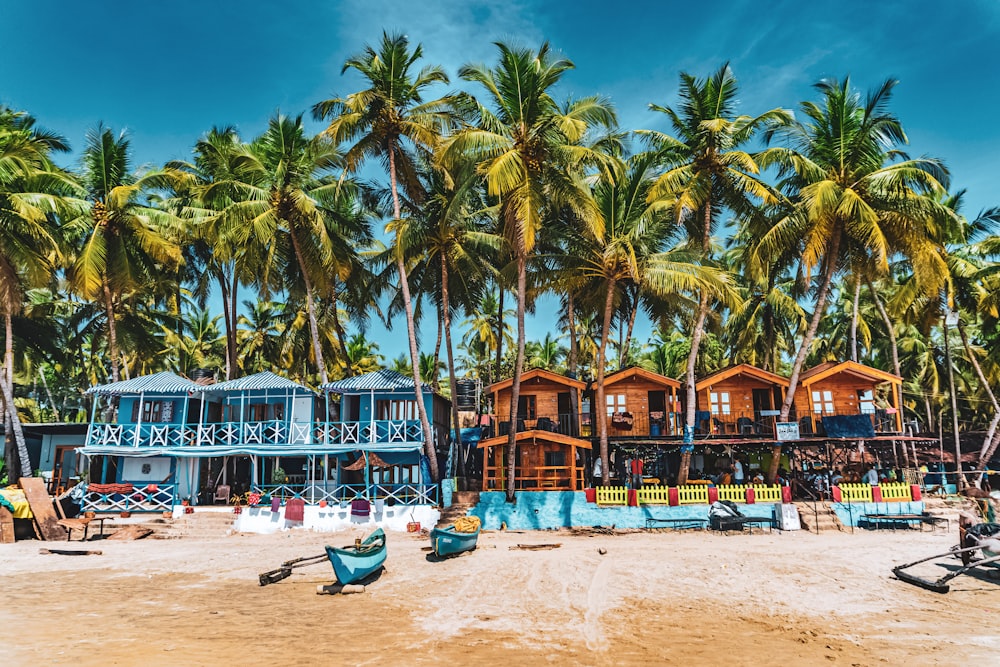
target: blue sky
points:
(169, 71)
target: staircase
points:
(197, 525)
(818, 517)
(461, 503)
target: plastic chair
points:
(221, 493)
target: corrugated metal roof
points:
(384, 380)
(257, 381)
(164, 382)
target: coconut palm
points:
(706, 168)
(531, 154)
(31, 191)
(391, 121)
(124, 244)
(849, 193)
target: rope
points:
(467, 524)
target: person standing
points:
(871, 477)
(598, 471)
(637, 466)
(739, 477)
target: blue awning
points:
(384, 380)
(164, 382)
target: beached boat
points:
(354, 563)
(448, 541)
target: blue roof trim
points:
(257, 381)
(383, 380)
(163, 382)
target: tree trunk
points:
(437, 351)
(515, 395)
(112, 331)
(959, 477)
(854, 319)
(793, 382)
(404, 286)
(341, 336)
(227, 321)
(571, 362)
(7, 387)
(599, 400)
(696, 335)
(452, 378)
(989, 392)
(496, 371)
(633, 310)
(48, 392)
(310, 308)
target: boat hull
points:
(351, 564)
(448, 542)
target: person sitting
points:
(758, 478)
(836, 478)
(725, 478)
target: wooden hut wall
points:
(636, 392)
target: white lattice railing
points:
(126, 497)
(399, 494)
(274, 432)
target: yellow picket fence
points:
(733, 493)
(692, 495)
(612, 495)
(763, 493)
(896, 491)
(856, 493)
(654, 495)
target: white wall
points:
(135, 470)
(335, 518)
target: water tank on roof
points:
(466, 398)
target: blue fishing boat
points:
(354, 563)
(448, 541)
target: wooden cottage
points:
(739, 400)
(849, 388)
(548, 430)
(640, 403)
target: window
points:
(616, 403)
(396, 410)
(526, 407)
(866, 401)
(553, 459)
(822, 402)
(153, 412)
(719, 403)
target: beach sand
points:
(653, 598)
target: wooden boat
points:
(354, 563)
(448, 542)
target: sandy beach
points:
(697, 597)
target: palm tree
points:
(124, 244)
(706, 169)
(258, 336)
(381, 120)
(31, 191)
(632, 250)
(848, 193)
(530, 152)
(545, 353)
(285, 191)
(363, 354)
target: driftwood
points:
(339, 589)
(131, 533)
(41, 506)
(6, 526)
(70, 552)
(535, 547)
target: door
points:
(567, 420)
(657, 402)
(301, 429)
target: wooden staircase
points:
(818, 517)
(461, 503)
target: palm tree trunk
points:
(571, 362)
(48, 393)
(599, 399)
(310, 308)
(112, 331)
(633, 305)
(341, 336)
(989, 392)
(452, 378)
(7, 382)
(829, 269)
(496, 371)
(893, 346)
(227, 321)
(437, 349)
(515, 395)
(959, 477)
(854, 319)
(404, 286)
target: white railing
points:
(399, 494)
(128, 497)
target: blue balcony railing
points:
(274, 432)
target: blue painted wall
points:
(367, 401)
(128, 403)
(540, 510)
(850, 513)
